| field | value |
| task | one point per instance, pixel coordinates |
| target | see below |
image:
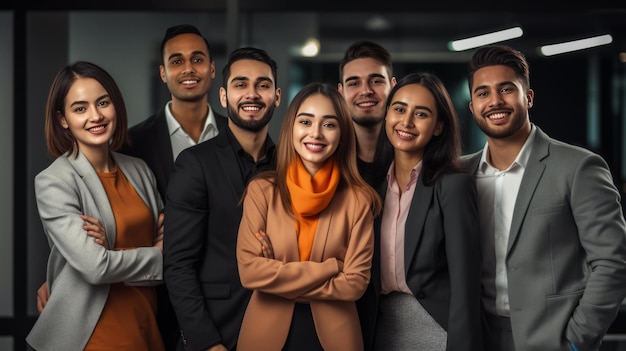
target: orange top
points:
(128, 320)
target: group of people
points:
(362, 228)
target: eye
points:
(104, 103)
(79, 109)
(399, 109)
(352, 84)
(304, 122)
(198, 60)
(330, 125)
(176, 62)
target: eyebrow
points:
(179, 54)
(373, 75)
(82, 102)
(499, 85)
(307, 114)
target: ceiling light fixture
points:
(555, 49)
(310, 48)
(485, 39)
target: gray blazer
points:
(566, 257)
(79, 270)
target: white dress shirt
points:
(497, 194)
(180, 139)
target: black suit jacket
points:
(150, 141)
(202, 215)
(441, 259)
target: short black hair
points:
(174, 31)
(249, 53)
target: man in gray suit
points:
(553, 236)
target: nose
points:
(188, 68)
(367, 90)
(495, 99)
(316, 131)
(252, 93)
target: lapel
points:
(532, 176)
(414, 227)
(92, 182)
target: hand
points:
(266, 245)
(96, 230)
(42, 296)
(158, 235)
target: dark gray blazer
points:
(79, 270)
(441, 258)
(566, 258)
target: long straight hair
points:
(345, 156)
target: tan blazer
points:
(336, 275)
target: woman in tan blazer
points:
(305, 242)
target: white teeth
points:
(250, 108)
(404, 134)
(315, 146)
(497, 116)
(189, 82)
(95, 129)
(366, 104)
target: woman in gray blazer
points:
(100, 212)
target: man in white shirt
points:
(553, 235)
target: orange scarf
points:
(309, 196)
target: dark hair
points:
(248, 53)
(60, 140)
(443, 152)
(366, 49)
(495, 55)
(174, 31)
(345, 156)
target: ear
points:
(223, 97)
(340, 88)
(212, 69)
(471, 107)
(62, 120)
(162, 73)
(530, 97)
(438, 129)
(278, 92)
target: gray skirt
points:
(403, 324)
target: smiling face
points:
(89, 115)
(412, 120)
(251, 95)
(500, 103)
(316, 132)
(365, 86)
(187, 69)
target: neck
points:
(403, 164)
(250, 141)
(191, 115)
(367, 141)
(100, 159)
(502, 152)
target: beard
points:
(250, 125)
(367, 121)
(516, 123)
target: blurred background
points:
(580, 96)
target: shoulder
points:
(148, 123)
(455, 182)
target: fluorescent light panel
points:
(555, 49)
(485, 39)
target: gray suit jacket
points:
(566, 257)
(79, 270)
